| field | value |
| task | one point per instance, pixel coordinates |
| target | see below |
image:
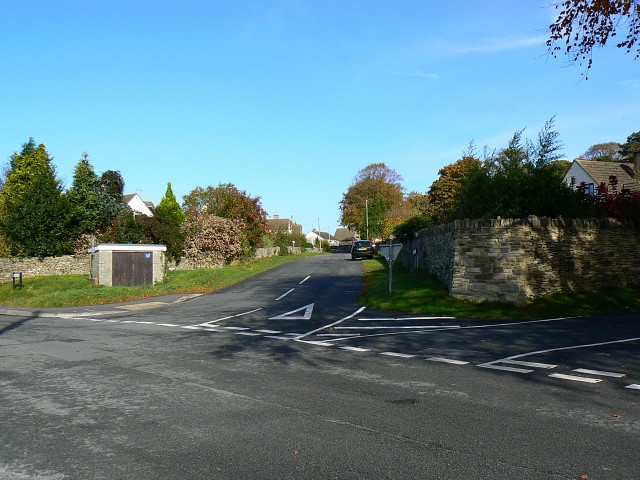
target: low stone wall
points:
(34, 267)
(81, 264)
(516, 260)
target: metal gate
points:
(132, 268)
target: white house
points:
(592, 173)
(135, 203)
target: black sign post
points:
(17, 276)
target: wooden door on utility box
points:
(131, 268)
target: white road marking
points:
(415, 327)
(278, 337)
(396, 354)
(144, 323)
(331, 324)
(95, 320)
(285, 294)
(600, 372)
(633, 386)
(503, 368)
(405, 318)
(490, 325)
(112, 321)
(529, 364)
(191, 327)
(210, 323)
(248, 334)
(268, 331)
(575, 378)
(305, 279)
(308, 310)
(355, 349)
(167, 325)
(573, 347)
(447, 360)
(313, 342)
(236, 328)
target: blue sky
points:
(288, 100)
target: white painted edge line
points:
(505, 369)
(111, 321)
(144, 323)
(331, 324)
(269, 331)
(278, 337)
(285, 294)
(600, 372)
(575, 378)
(167, 325)
(404, 318)
(95, 320)
(209, 324)
(356, 349)
(633, 386)
(313, 342)
(248, 334)
(305, 279)
(529, 364)
(415, 327)
(396, 354)
(236, 328)
(191, 327)
(447, 360)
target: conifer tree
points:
(35, 214)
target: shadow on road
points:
(16, 325)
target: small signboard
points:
(390, 251)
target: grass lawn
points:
(421, 293)
(78, 290)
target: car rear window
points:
(363, 243)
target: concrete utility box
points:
(122, 264)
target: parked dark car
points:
(362, 249)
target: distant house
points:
(135, 203)
(314, 235)
(346, 236)
(277, 224)
(592, 173)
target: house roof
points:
(344, 234)
(283, 224)
(602, 171)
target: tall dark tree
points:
(84, 196)
(110, 192)
(525, 178)
(35, 214)
(631, 148)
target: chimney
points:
(276, 217)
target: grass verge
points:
(78, 290)
(420, 293)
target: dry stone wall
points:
(516, 260)
(81, 264)
(34, 267)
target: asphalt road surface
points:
(285, 376)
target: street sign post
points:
(390, 251)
